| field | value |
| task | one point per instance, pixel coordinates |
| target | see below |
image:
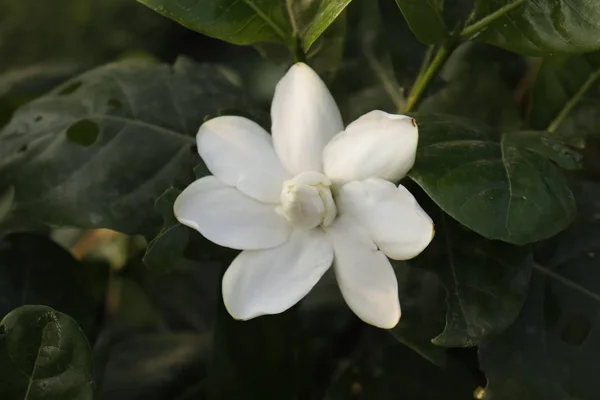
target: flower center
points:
(306, 201)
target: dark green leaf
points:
(235, 21)
(269, 346)
(325, 15)
(389, 371)
(146, 115)
(18, 87)
(479, 82)
(551, 352)
(150, 366)
(546, 145)
(173, 238)
(44, 355)
(567, 84)
(495, 188)
(425, 20)
(543, 27)
(422, 297)
(486, 282)
(35, 270)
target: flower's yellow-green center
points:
(306, 201)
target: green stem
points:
(483, 23)
(573, 101)
(546, 271)
(428, 72)
(425, 78)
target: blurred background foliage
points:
(156, 323)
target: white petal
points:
(228, 217)
(271, 281)
(377, 145)
(364, 274)
(240, 153)
(390, 214)
(305, 117)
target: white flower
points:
(311, 195)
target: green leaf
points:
(44, 355)
(383, 370)
(486, 282)
(422, 297)
(493, 186)
(477, 86)
(542, 27)
(149, 365)
(325, 15)
(146, 116)
(550, 352)
(173, 238)
(425, 20)
(35, 270)
(565, 96)
(234, 21)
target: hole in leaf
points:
(38, 118)
(576, 330)
(84, 132)
(116, 104)
(72, 87)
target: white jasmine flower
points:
(310, 195)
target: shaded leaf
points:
(543, 27)
(486, 282)
(422, 298)
(146, 115)
(173, 238)
(44, 355)
(234, 21)
(551, 351)
(325, 15)
(35, 270)
(425, 20)
(495, 188)
(152, 366)
(567, 83)
(384, 370)
(478, 83)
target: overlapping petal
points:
(271, 281)
(305, 117)
(240, 153)
(364, 274)
(390, 214)
(377, 145)
(228, 217)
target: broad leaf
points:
(543, 27)
(44, 355)
(479, 81)
(382, 370)
(425, 20)
(551, 352)
(150, 366)
(325, 15)
(567, 85)
(173, 238)
(486, 282)
(492, 185)
(234, 21)
(35, 270)
(97, 151)
(422, 297)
